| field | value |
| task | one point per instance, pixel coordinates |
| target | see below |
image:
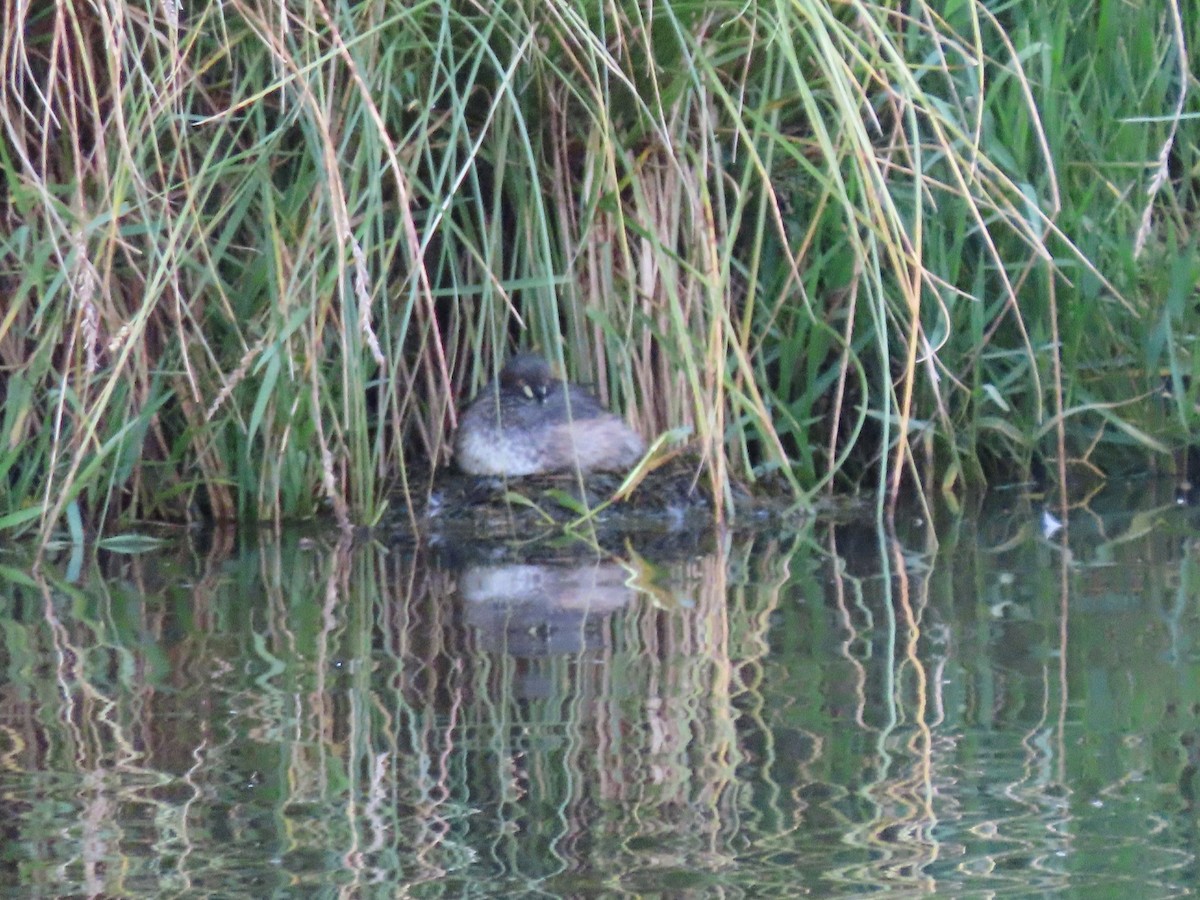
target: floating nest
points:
(670, 512)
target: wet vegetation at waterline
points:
(254, 255)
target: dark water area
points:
(980, 707)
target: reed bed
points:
(254, 254)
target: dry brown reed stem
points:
(1162, 169)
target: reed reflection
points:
(840, 710)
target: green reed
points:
(254, 258)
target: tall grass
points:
(254, 254)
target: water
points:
(834, 712)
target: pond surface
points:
(977, 709)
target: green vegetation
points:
(253, 253)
